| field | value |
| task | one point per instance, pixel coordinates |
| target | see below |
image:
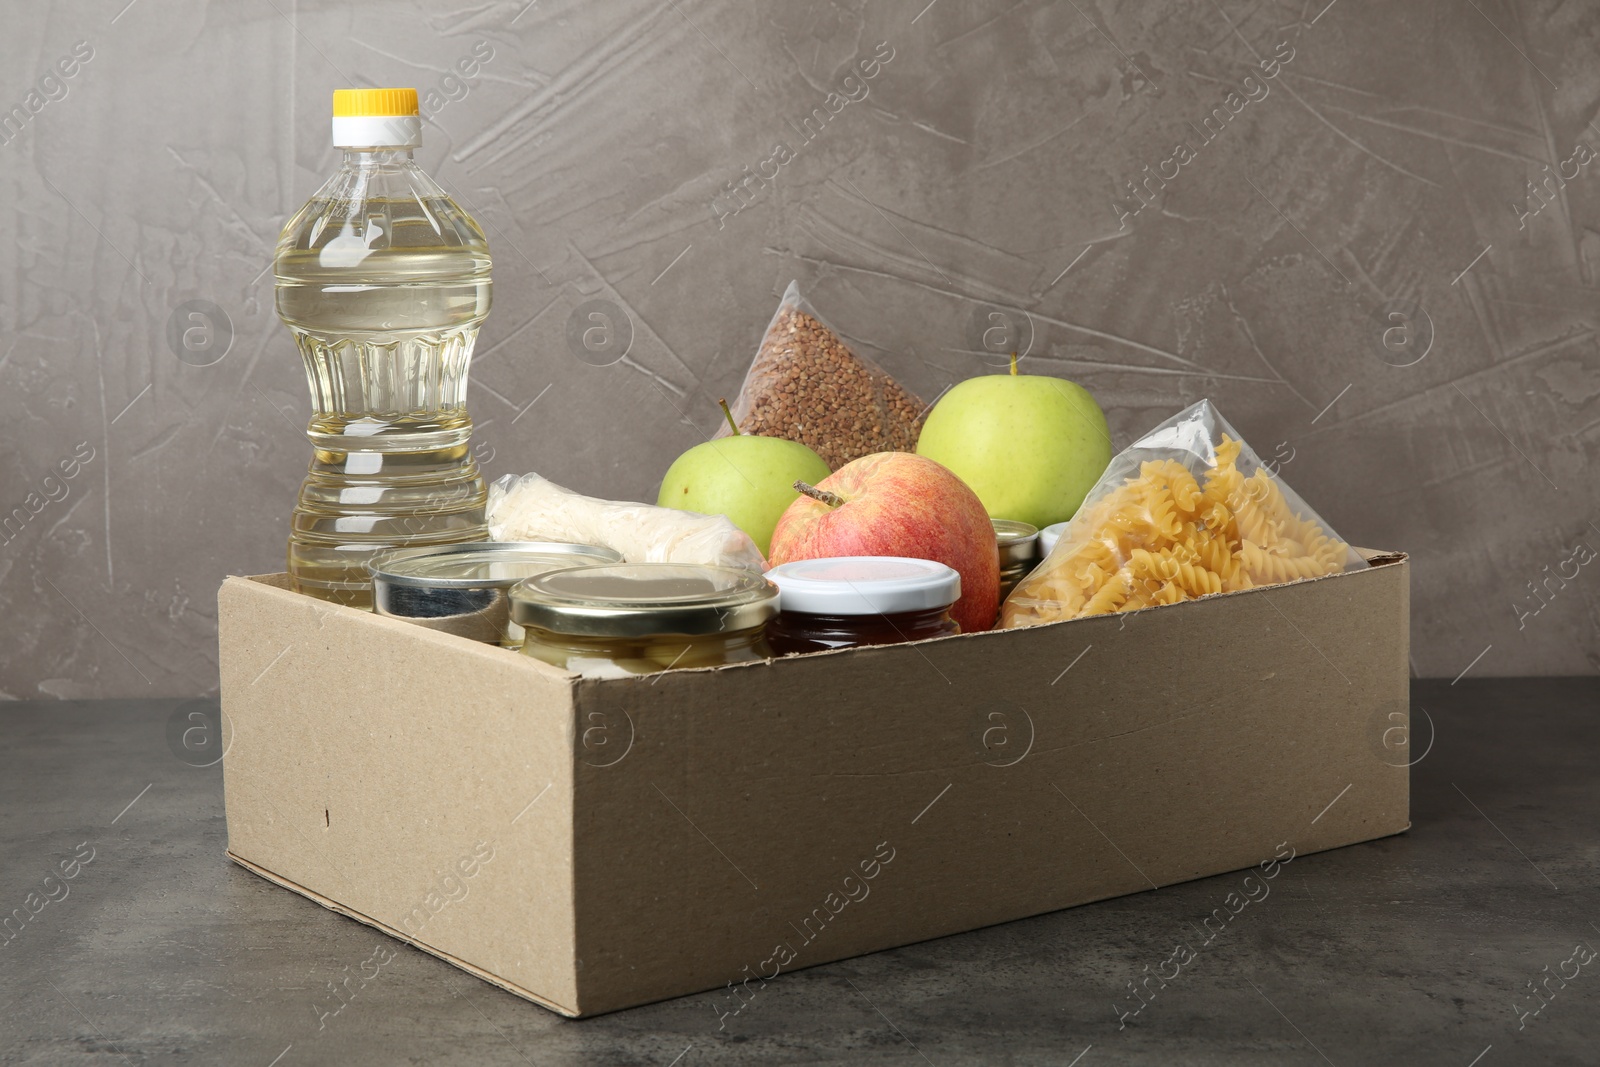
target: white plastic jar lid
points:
(1049, 536)
(864, 585)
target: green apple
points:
(1031, 446)
(748, 478)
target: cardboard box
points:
(596, 844)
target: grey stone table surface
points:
(1464, 942)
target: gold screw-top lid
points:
(644, 600)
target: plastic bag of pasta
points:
(806, 385)
(1187, 511)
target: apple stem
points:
(729, 415)
(833, 500)
(1013, 363)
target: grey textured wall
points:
(1348, 260)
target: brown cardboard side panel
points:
(421, 780)
(771, 817)
(349, 913)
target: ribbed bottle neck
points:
(378, 157)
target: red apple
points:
(899, 504)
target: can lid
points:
(644, 600)
(1018, 541)
(865, 585)
(376, 118)
(480, 564)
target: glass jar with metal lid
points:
(845, 601)
(1019, 551)
(462, 589)
(640, 618)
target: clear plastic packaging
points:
(806, 385)
(530, 507)
(1188, 510)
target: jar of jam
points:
(629, 619)
(845, 601)
(1019, 551)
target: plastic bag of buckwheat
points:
(806, 385)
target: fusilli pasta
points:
(1164, 536)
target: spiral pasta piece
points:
(1185, 490)
(1327, 550)
(1111, 595)
(1163, 511)
(1266, 567)
(1217, 557)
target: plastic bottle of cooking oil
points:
(384, 282)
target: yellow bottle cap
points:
(376, 118)
(349, 103)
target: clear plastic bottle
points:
(384, 282)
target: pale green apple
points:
(1031, 446)
(749, 479)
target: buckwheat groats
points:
(806, 385)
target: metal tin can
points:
(462, 589)
(1018, 544)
